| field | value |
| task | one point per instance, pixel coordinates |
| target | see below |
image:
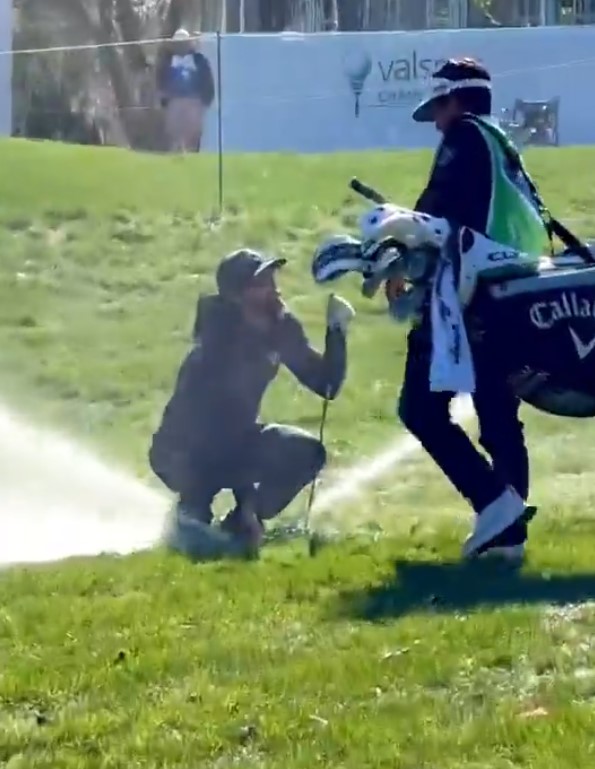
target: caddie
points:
(478, 180)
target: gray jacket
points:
(222, 381)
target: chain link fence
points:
(75, 77)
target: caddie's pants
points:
(272, 465)
(426, 414)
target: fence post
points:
(219, 127)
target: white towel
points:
(451, 367)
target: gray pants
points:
(273, 464)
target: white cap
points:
(181, 34)
(443, 87)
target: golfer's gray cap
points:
(237, 270)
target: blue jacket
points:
(187, 76)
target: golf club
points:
(314, 541)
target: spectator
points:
(186, 89)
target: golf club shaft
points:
(312, 494)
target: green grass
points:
(375, 654)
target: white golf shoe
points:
(493, 521)
(514, 554)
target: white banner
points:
(353, 91)
(5, 67)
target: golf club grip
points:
(367, 192)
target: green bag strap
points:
(553, 226)
(514, 158)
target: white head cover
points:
(412, 229)
(342, 254)
(336, 256)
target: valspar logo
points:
(404, 80)
(568, 306)
(389, 81)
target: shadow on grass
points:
(425, 586)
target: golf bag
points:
(543, 309)
(550, 321)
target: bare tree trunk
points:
(112, 59)
(413, 14)
(179, 14)
(212, 15)
(128, 23)
(351, 15)
(505, 12)
(232, 15)
(252, 16)
(273, 15)
(478, 15)
(331, 13)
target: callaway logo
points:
(568, 306)
(582, 349)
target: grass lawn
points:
(375, 654)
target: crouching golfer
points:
(210, 438)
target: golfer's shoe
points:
(186, 513)
(513, 554)
(510, 545)
(245, 528)
(195, 538)
(496, 519)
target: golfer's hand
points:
(394, 288)
(339, 313)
